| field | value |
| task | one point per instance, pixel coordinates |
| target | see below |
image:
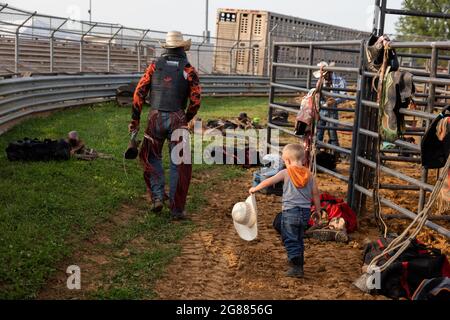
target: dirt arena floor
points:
(216, 264)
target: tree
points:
(421, 28)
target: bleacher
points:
(34, 56)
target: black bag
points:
(326, 160)
(36, 150)
(437, 289)
(404, 275)
(434, 152)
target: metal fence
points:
(35, 42)
(359, 174)
(20, 97)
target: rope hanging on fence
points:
(313, 136)
(402, 242)
(376, 192)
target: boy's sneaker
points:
(157, 206)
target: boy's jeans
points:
(293, 224)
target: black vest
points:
(169, 88)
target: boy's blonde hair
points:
(294, 152)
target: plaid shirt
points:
(143, 88)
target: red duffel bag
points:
(337, 208)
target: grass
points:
(47, 208)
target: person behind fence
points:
(298, 190)
(332, 81)
(171, 81)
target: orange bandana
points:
(299, 176)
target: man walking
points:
(171, 81)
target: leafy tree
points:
(421, 28)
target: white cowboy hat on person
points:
(174, 39)
(323, 64)
(245, 219)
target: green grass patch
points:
(47, 208)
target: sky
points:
(189, 16)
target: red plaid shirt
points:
(143, 89)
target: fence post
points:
(231, 56)
(109, 48)
(139, 50)
(198, 53)
(16, 42)
(429, 109)
(273, 78)
(81, 44)
(52, 39)
(309, 72)
(356, 126)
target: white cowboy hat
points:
(174, 39)
(323, 64)
(245, 219)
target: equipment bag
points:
(337, 208)
(437, 289)
(306, 114)
(435, 152)
(36, 150)
(260, 176)
(417, 263)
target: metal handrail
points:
(21, 97)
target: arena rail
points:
(25, 96)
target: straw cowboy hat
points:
(245, 219)
(174, 39)
(323, 64)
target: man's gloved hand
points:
(133, 126)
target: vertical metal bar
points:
(273, 78)
(17, 40)
(382, 17)
(16, 53)
(81, 54)
(376, 17)
(311, 62)
(429, 109)
(108, 54)
(52, 45)
(51, 54)
(109, 49)
(353, 176)
(206, 39)
(139, 50)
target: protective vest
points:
(169, 88)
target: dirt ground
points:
(216, 264)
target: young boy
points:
(299, 188)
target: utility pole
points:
(90, 11)
(207, 34)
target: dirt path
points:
(216, 264)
